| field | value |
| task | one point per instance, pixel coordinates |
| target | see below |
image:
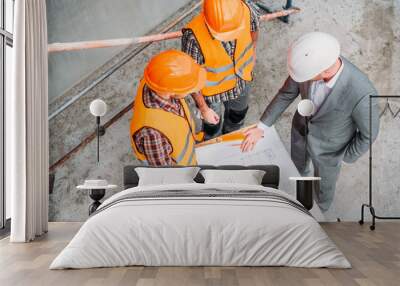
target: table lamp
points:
(306, 108)
(305, 185)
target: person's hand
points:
(209, 115)
(253, 135)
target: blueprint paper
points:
(268, 151)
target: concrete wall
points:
(369, 31)
(84, 20)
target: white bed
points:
(209, 230)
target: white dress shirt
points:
(321, 89)
(319, 92)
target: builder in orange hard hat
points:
(162, 127)
(222, 39)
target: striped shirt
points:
(192, 48)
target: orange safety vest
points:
(180, 131)
(221, 70)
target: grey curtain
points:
(27, 124)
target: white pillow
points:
(248, 177)
(166, 176)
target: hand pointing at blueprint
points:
(253, 135)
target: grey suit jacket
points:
(340, 129)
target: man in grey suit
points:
(338, 129)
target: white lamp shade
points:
(98, 107)
(306, 108)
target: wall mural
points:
(203, 99)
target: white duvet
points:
(200, 231)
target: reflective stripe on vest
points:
(184, 150)
(216, 83)
(226, 68)
(221, 69)
(177, 129)
(192, 158)
(250, 46)
(245, 64)
(222, 72)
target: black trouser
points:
(232, 119)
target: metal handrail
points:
(120, 63)
(266, 17)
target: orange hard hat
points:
(175, 72)
(224, 18)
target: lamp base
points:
(304, 193)
(96, 195)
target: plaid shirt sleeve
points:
(155, 147)
(191, 47)
(255, 15)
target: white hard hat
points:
(311, 54)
